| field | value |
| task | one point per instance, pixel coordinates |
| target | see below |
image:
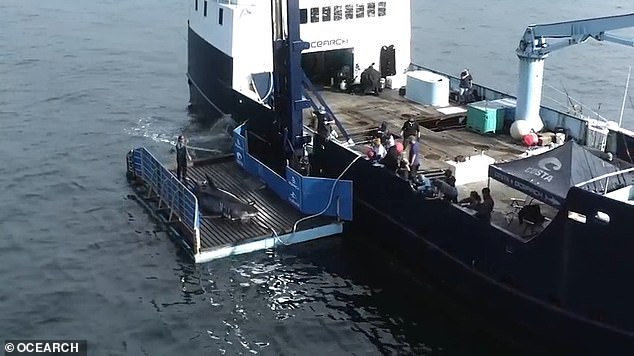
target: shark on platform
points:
(217, 202)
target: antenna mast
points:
(627, 84)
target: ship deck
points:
(443, 137)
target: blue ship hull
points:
(545, 287)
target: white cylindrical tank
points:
(529, 91)
(519, 129)
(427, 88)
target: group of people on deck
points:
(483, 206)
(404, 160)
(401, 158)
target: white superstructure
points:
(241, 29)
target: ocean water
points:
(83, 82)
(483, 36)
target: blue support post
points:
(287, 67)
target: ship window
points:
(303, 16)
(349, 12)
(314, 14)
(602, 217)
(338, 13)
(220, 16)
(325, 13)
(576, 217)
(360, 10)
(196, 5)
(371, 9)
(205, 9)
(382, 9)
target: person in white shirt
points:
(379, 150)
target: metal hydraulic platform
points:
(209, 238)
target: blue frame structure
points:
(293, 94)
(310, 195)
(293, 89)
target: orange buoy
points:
(531, 139)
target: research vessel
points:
(562, 274)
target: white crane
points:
(535, 46)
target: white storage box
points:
(473, 169)
(396, 81)
(427, 88)
(597, 136)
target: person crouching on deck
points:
(182, 156)
(403, 168)
(379, 150)
(390, 142)
(472, 201)
(448, 192)
(383, 133)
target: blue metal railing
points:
(172, 194)
(310, 89)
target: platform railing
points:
(623, 177)
(173, 197)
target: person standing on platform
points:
(466, 83)
(410, 128)
(182, 156)
(413, 155)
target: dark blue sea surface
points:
(82, 82)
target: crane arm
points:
(534, 42)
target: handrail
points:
(180, 200)
(310, 89)
(608, 175)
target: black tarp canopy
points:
(548, 176)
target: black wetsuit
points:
(410, 128)
(181, 161)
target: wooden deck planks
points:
(274, 213)
(360, 113)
